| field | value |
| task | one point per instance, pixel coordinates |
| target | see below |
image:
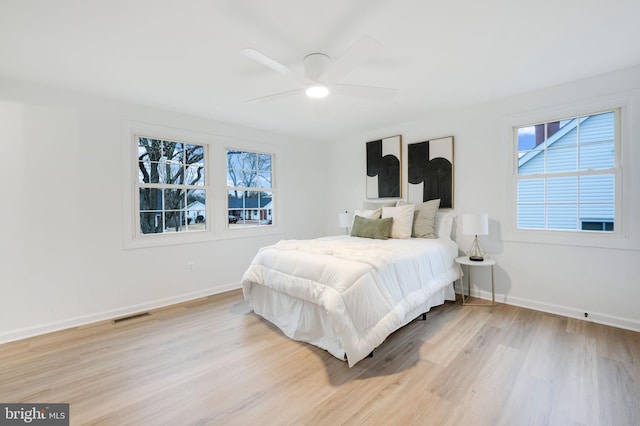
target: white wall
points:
(62, 259)
(564, 279)
(62, 266)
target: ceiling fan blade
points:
(369, 92)
(359, 52)
(275, 96)
(274, 65)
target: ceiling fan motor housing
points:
(315, 64)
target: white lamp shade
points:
(475, 224)
(343, 220)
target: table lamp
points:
(343, 221)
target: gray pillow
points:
(424, 219)
(372, 228)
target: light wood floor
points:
(213, 361)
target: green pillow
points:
(379, 229)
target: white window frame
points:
(620, 237)
(215, 176)
(162, 186)
(271, 189)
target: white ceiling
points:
(185, 55)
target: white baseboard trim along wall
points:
(110, 315)
(565, 311)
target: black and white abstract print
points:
(430, 171)
(384, 168)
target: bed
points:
(347, 294)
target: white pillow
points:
(367, 214)
(444, 224)
(402, 220)
(372, 205)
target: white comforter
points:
(367, 287)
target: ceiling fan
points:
(321, 73)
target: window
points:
(567, 173)
(171, 186)
(174, 187)
(250, 189)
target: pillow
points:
(367, 214)
(371, 228)
(444, 224)
(424, 219)
(377, 205)
(402, 220)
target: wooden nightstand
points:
(464, 260)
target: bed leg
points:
(424, 316)
(370, 355)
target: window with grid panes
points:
(171, 186)
(567, 172)
(250, 189)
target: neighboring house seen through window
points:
(171, 186)
(250, 189)
(567, 173)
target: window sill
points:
(575, 239)
(162, 240)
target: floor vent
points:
(131, 317)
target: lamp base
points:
(475, 253)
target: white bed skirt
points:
(308, 322)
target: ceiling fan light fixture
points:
(317, 91)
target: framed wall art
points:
(430, 171)
(384, 168)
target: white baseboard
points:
(566, 311)
(14, 335)
(37, 330)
